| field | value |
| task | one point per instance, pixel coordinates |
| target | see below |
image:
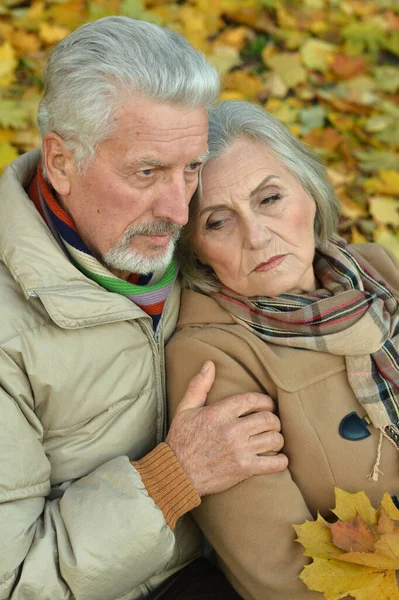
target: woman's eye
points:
(271, 199)
(214, 224)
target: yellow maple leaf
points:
(223, 58)
(357, 237)
(338, 579)
(8, 63)
(316, 54)
(357, 555)
(385, 209)
(316, 538)
(24, 41)
(387, 183)
(348, 505)
(387, 238)
(51, 34)
(376, 560)
(389, 507)
(385, 589)
(7, 154)
(288, 67)
(245, 83)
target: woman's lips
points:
(270, 264)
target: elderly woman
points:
(283, 306)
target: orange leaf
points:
(327, 138)
(354, 536)
(345, 67)
(386, 524)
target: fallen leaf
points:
(316, 54)
(8, 153)
(316, 538)
(51, 34)
(389, 507)
(348, 505)
(386, 524)
(387, 238)
(385, 210)
(223, 58)
(337, 579)
(328, 138)
(376, 160)
(387, 183)
(8, 63)
(354, 536)
(11, 114)
(345, 67)
(288, 67)
(357, 237)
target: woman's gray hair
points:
(231, 120)
(92, 69)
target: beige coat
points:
(81, 393)
(250, 525)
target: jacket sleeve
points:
(103, 536)
(250, 525)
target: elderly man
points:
(92, 499)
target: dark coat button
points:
(353, 427)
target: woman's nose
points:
(257, 235)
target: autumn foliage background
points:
(328, 69)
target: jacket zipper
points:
(156, 343)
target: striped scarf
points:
(355, 315)
(146, 293)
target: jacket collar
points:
(198, 309)
(39, 266)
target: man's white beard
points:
(123, 258)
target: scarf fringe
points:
(373, 476)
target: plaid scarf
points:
(148, 294)
(355, 315)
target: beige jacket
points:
(250, 525)
(81, 394)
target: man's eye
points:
(193, 167)
(271, 199)
(146, 172)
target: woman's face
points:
(255, 223)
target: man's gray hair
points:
(93, 69)
(231, 120)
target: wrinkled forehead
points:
(238, 172)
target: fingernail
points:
(205, 368)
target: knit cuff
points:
(167, 483)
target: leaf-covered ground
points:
(329, 69)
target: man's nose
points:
(173, 201)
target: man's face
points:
(133, 199)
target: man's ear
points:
(59, 163)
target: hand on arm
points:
(220, 445)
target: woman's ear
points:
(59, 163)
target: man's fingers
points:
(269, 464)
(198, 388)
(243, 404)
(258, 422)
(271, 441)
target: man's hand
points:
(221, 445)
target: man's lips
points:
(272, 263)
(157, 240)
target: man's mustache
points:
(155, 228)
